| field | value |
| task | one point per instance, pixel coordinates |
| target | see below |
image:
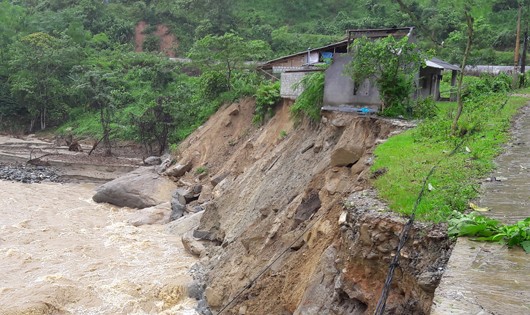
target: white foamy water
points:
(61, 253)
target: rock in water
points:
(141, 188)
(153, 160)
(192, 245)
(177, 208)
(153, 215)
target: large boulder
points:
(185, 224)
(178, 207)
(179, 169)
(346, 155)
(192, 245)
(141, 188)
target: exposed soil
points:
(291, 225)
(293, 206)
(168, 41)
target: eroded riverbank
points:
(63, 253)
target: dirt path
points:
(489, 278)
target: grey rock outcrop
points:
(141, 188)
(184, 224)
(177, 208)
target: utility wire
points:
(381, 304)
(395, 262)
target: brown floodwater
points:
(61, 253)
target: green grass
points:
(409, 157)
(83, 125)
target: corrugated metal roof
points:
(337, 44)
(431, 64)
(440, 64)
(387, 31)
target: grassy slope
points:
(410, 156)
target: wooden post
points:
(525, 47)
(454, 73)
(515, 82)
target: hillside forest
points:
(101, 68)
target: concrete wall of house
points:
(280, 69)
(429, 83)
(290, 86)
(339, 87)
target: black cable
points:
(381, 304)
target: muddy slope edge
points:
(296, 204)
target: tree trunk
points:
(105, 122)
(469, 21)
(229, 77)
(515, 82)
(525, 48)
(43, 121)
(42, 125)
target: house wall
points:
(296, 61)
(429, 83)
(339, 88)
(289, 82)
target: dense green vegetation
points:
(408, 158)
(72, 65)
(308, 104)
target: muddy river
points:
(61, 253)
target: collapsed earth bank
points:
(289, 222)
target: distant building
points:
(339, 88)
(490, 69)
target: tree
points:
(393, 65)
(39, 68)
(469, 22)
(11, 16)
(99, 87)
(227, 53)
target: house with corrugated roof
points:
(339, 89)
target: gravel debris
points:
(28, 174)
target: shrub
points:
(267, 96)
(213, 83)
(309, 103)
(424, 108)
(151, 43)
